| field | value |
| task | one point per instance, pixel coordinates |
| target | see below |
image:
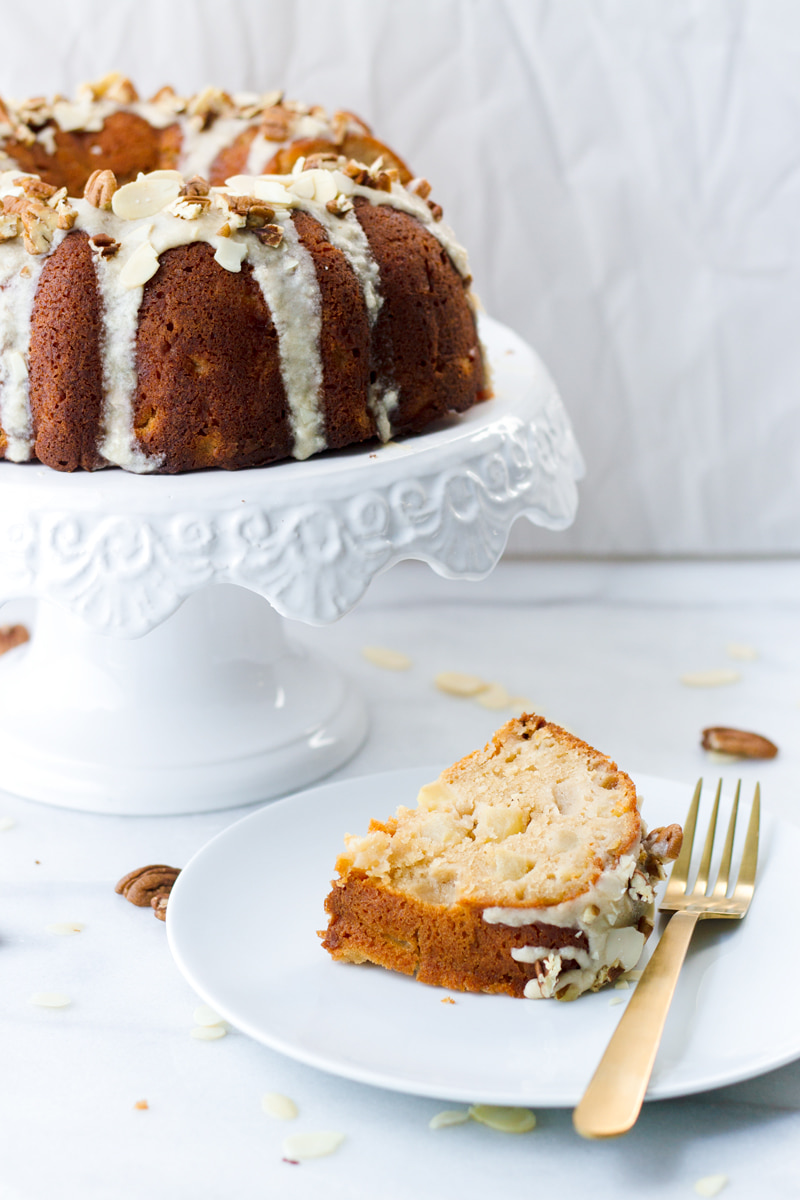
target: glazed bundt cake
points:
(524, 869)
(166, 325)
(213, 134)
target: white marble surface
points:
(598, 647)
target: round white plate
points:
(242, 924)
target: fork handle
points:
(613, 1099)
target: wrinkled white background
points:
(626, 174)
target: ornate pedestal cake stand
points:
(159, 681)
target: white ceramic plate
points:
(242, 924)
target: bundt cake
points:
(212, 133)
(166, 325)
(524, 869)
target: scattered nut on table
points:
(739, 742)
(11, 636)
(149, 887)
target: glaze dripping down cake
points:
(524, 869)
(168, 324)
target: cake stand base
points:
(217, 710)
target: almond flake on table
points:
(741, 651)
(6, 823)
(208, 1033)
(505, 1120)
(716, 678)
(457, 684)
(448, 1118)
(311, 1145)
(523, 705)
(389, 660)
(711, 1185)
(50, 1000)
(64, 928)
(494, 695)
(283, 1108)
(204, 1014)
(616, 1000)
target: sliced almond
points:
(506, 1120)
(50, 1000)
(711, 1185)
(147, 195)
(311, 1145)
(141, 266)
(205, 1015)
(457, 684)
(230, 254)
(737, 742)
(719, 678)
(6, 823)
(389, 660)
(208, 1033)
(448, 1118)
(494, 695)
(64, 928)
(274, 1104)
(741, 651)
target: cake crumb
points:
(448, 1000)
(711, 1185)
(141, 1105)
(389, 660)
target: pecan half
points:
(665, 842)
(100, 188)
(194, 187)
(148, 887)
(738, 741)
(270, 235)
(11, 636)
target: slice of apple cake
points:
(525, 869)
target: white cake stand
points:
(159, 681)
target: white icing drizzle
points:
(18, 284)
(348, 236)
(119, 307)
(199, 147)
(260, 153)
(289, 286)
(607, 915)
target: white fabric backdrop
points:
(626, 174)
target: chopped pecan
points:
(738, 741)
(276, 124)
(35, 187)
(323, 158)
(195, 187)
(664, 842)
(113, 86)
(436, 209)
(357, 172)
(270, 235)
(147, 885)
(339, 205)
(421, 187)
(11, 636)
(207, 105)
(256, 213)
(100, 189)
(104, 244)
(10, 226)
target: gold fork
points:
(613, 1099)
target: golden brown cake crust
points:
(210, 392)
(452, 948)
(64, 359)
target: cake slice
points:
(524, 869)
